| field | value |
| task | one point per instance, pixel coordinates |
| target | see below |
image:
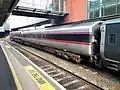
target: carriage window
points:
(112, 39)
(39, 35)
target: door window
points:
(112, 39)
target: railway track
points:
(66, 78)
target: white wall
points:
(18, 21)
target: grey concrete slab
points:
(6, 78)
(26, 82)
(19, 61)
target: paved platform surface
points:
(27, 75)
(6, 78)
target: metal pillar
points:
(100, 11)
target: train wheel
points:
(98, 63)
(78, 60)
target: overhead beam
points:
(39, 13)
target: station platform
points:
(6, 78)
(17, 72)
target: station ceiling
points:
(6, 8)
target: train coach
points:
(98, 42)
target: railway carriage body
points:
(71, 41)
(71, 38)
(97, 40)
(110, 44)
(15, 35)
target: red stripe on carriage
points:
(63, 41)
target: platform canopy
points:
(6, 7)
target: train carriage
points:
(94, 40)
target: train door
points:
(110, 44)
(112, 41)
(96, 37)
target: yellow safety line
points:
(17, 82)
(40, 81)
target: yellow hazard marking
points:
(17, 82)
(40, 81)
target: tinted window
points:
(112, 39)
(69, 37)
